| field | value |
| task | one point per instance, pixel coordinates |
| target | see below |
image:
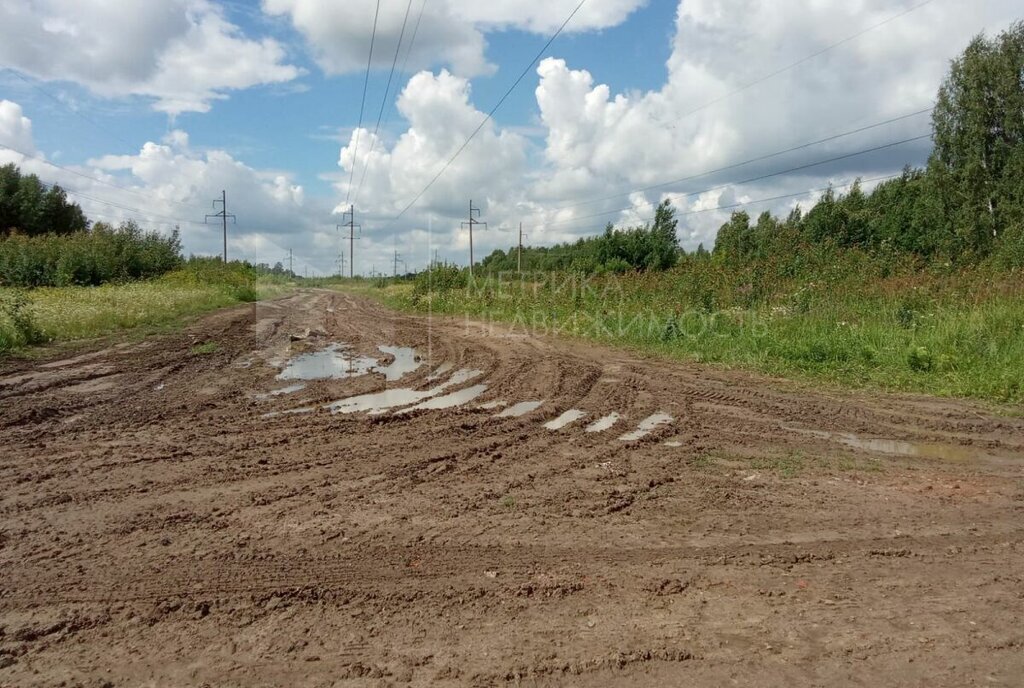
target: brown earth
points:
(158, 529)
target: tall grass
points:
(75, 312)
(849, 319)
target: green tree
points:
(978, 126)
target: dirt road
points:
(167, 520)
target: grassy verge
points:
(949, 334)
(55, 314)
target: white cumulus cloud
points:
(181, 53)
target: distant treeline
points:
(966, 206)
(651, 247)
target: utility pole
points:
(341, 263)
(352, 226)
(223, 215)
(397, 257)
(519, 258)
(291, 272)
(472, 221)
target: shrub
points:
(100, 255)
(18, 325)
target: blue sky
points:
(177, 100)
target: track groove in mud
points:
(157, 528)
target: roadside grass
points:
(946, 333)
(205, 348)
(57, 314)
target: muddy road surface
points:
(316, 491)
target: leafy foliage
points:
(651, 247)
(966, 206)
(28, 208)
(101, 254)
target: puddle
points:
(463, 375)
(925, 450)
(570, 416)
(520, 409)
(602, 424)
(947, 452)
(290, 389)
(491, 405)
(289, 412)
(449, 400)
(336, 362)
(331, 363)
(378, 402)
(441, 370)
(647, 425)
(406, 361)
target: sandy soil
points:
(160, 528)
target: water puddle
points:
(290, 389)
(289, 412)
(946, 452)
(570, 416)
(602, 424)
(441, 370)
(449, 400)
(925, 450)
(337, 362)
(491, 405)
(376, 403)
(520, 409)
(463, 375)
(647, 425)
(332, 363)
(406, 361)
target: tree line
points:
(29, 208)
(965, 206)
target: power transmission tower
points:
(472, 221)
(223, 215)
(397, 258)
(341, 263)
(352, 227)
(519, 257)
(291, 272)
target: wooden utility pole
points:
(223, 215)
(352, 227)
(472, 221)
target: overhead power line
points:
(362, 104)
(70, 109)
(95, 179)
(143, 214)
(383, 104)
(749, 161)
(780, 197)
(804, 59)
(490, 114)
(753, 179)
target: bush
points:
(18, 325)
(238, 279)
(441, 277)
(98, 256)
